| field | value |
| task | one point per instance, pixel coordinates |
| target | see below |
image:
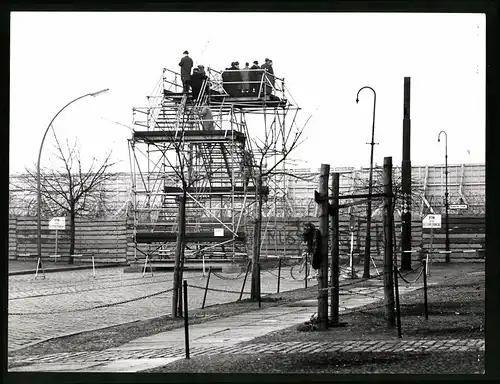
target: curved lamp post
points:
(447, 241)
(366, 272)
(38, 196)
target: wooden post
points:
(334, 270)
(388, 260)
(323, 228)
(178, 253)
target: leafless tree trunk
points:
(70, 189)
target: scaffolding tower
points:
(203, 145)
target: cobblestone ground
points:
(262, 348)
(62, 303)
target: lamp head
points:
(357, 100)
(99, 92)
(439, 140)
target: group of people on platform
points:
(248, 81)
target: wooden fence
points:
(105, 239)
(111, 240)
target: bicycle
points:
(298, 271)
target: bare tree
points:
(69, 189)
(275, 146)
(187, 178)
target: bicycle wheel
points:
(298, 271)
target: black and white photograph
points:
(247, 193)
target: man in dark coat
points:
(197, 79)
(186, 64)
(269, 75)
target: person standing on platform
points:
(271, 70)
(245, 77)
(254, 78)
(197, 79)
(268, 70)
(186, 65)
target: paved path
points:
(64, 303)
(218, 336)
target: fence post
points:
(334, 270)
(426, 310)
(307, 262)
(279, 275)
(244, 280)
(186, 320)
(206, 287)
(388, 259)
(398, 309)
(323, 267)
(260, 293)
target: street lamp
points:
(38, 196)
(447, 241)
(366, 272)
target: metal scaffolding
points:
(203, 145)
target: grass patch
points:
(333, 363)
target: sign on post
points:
(57, 223)
(218, 231)
(458, 206)
(431, 221)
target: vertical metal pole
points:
(260, 298)
(447, 243)
(426, 310)
(406, 181)
(388, 259)
(244, 280)
(351, 261)
(206, 287)
(307, 262)
(279, 275)
(334, 270)
(398, 309)
(93, 266)
(55, 254)
(186, 320)
(366, 273)
(323, 267)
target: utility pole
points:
(323, 228)
(366, 270)
(406, 182)
(447, 241)
(388, 260)
(334, 270)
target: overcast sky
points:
(325, 58)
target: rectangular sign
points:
(218, 231)
(57, 223)
(432, 221)
(458, 206)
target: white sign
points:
(431, 221)
(458, 206)
(218, 231)
(57, 223)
